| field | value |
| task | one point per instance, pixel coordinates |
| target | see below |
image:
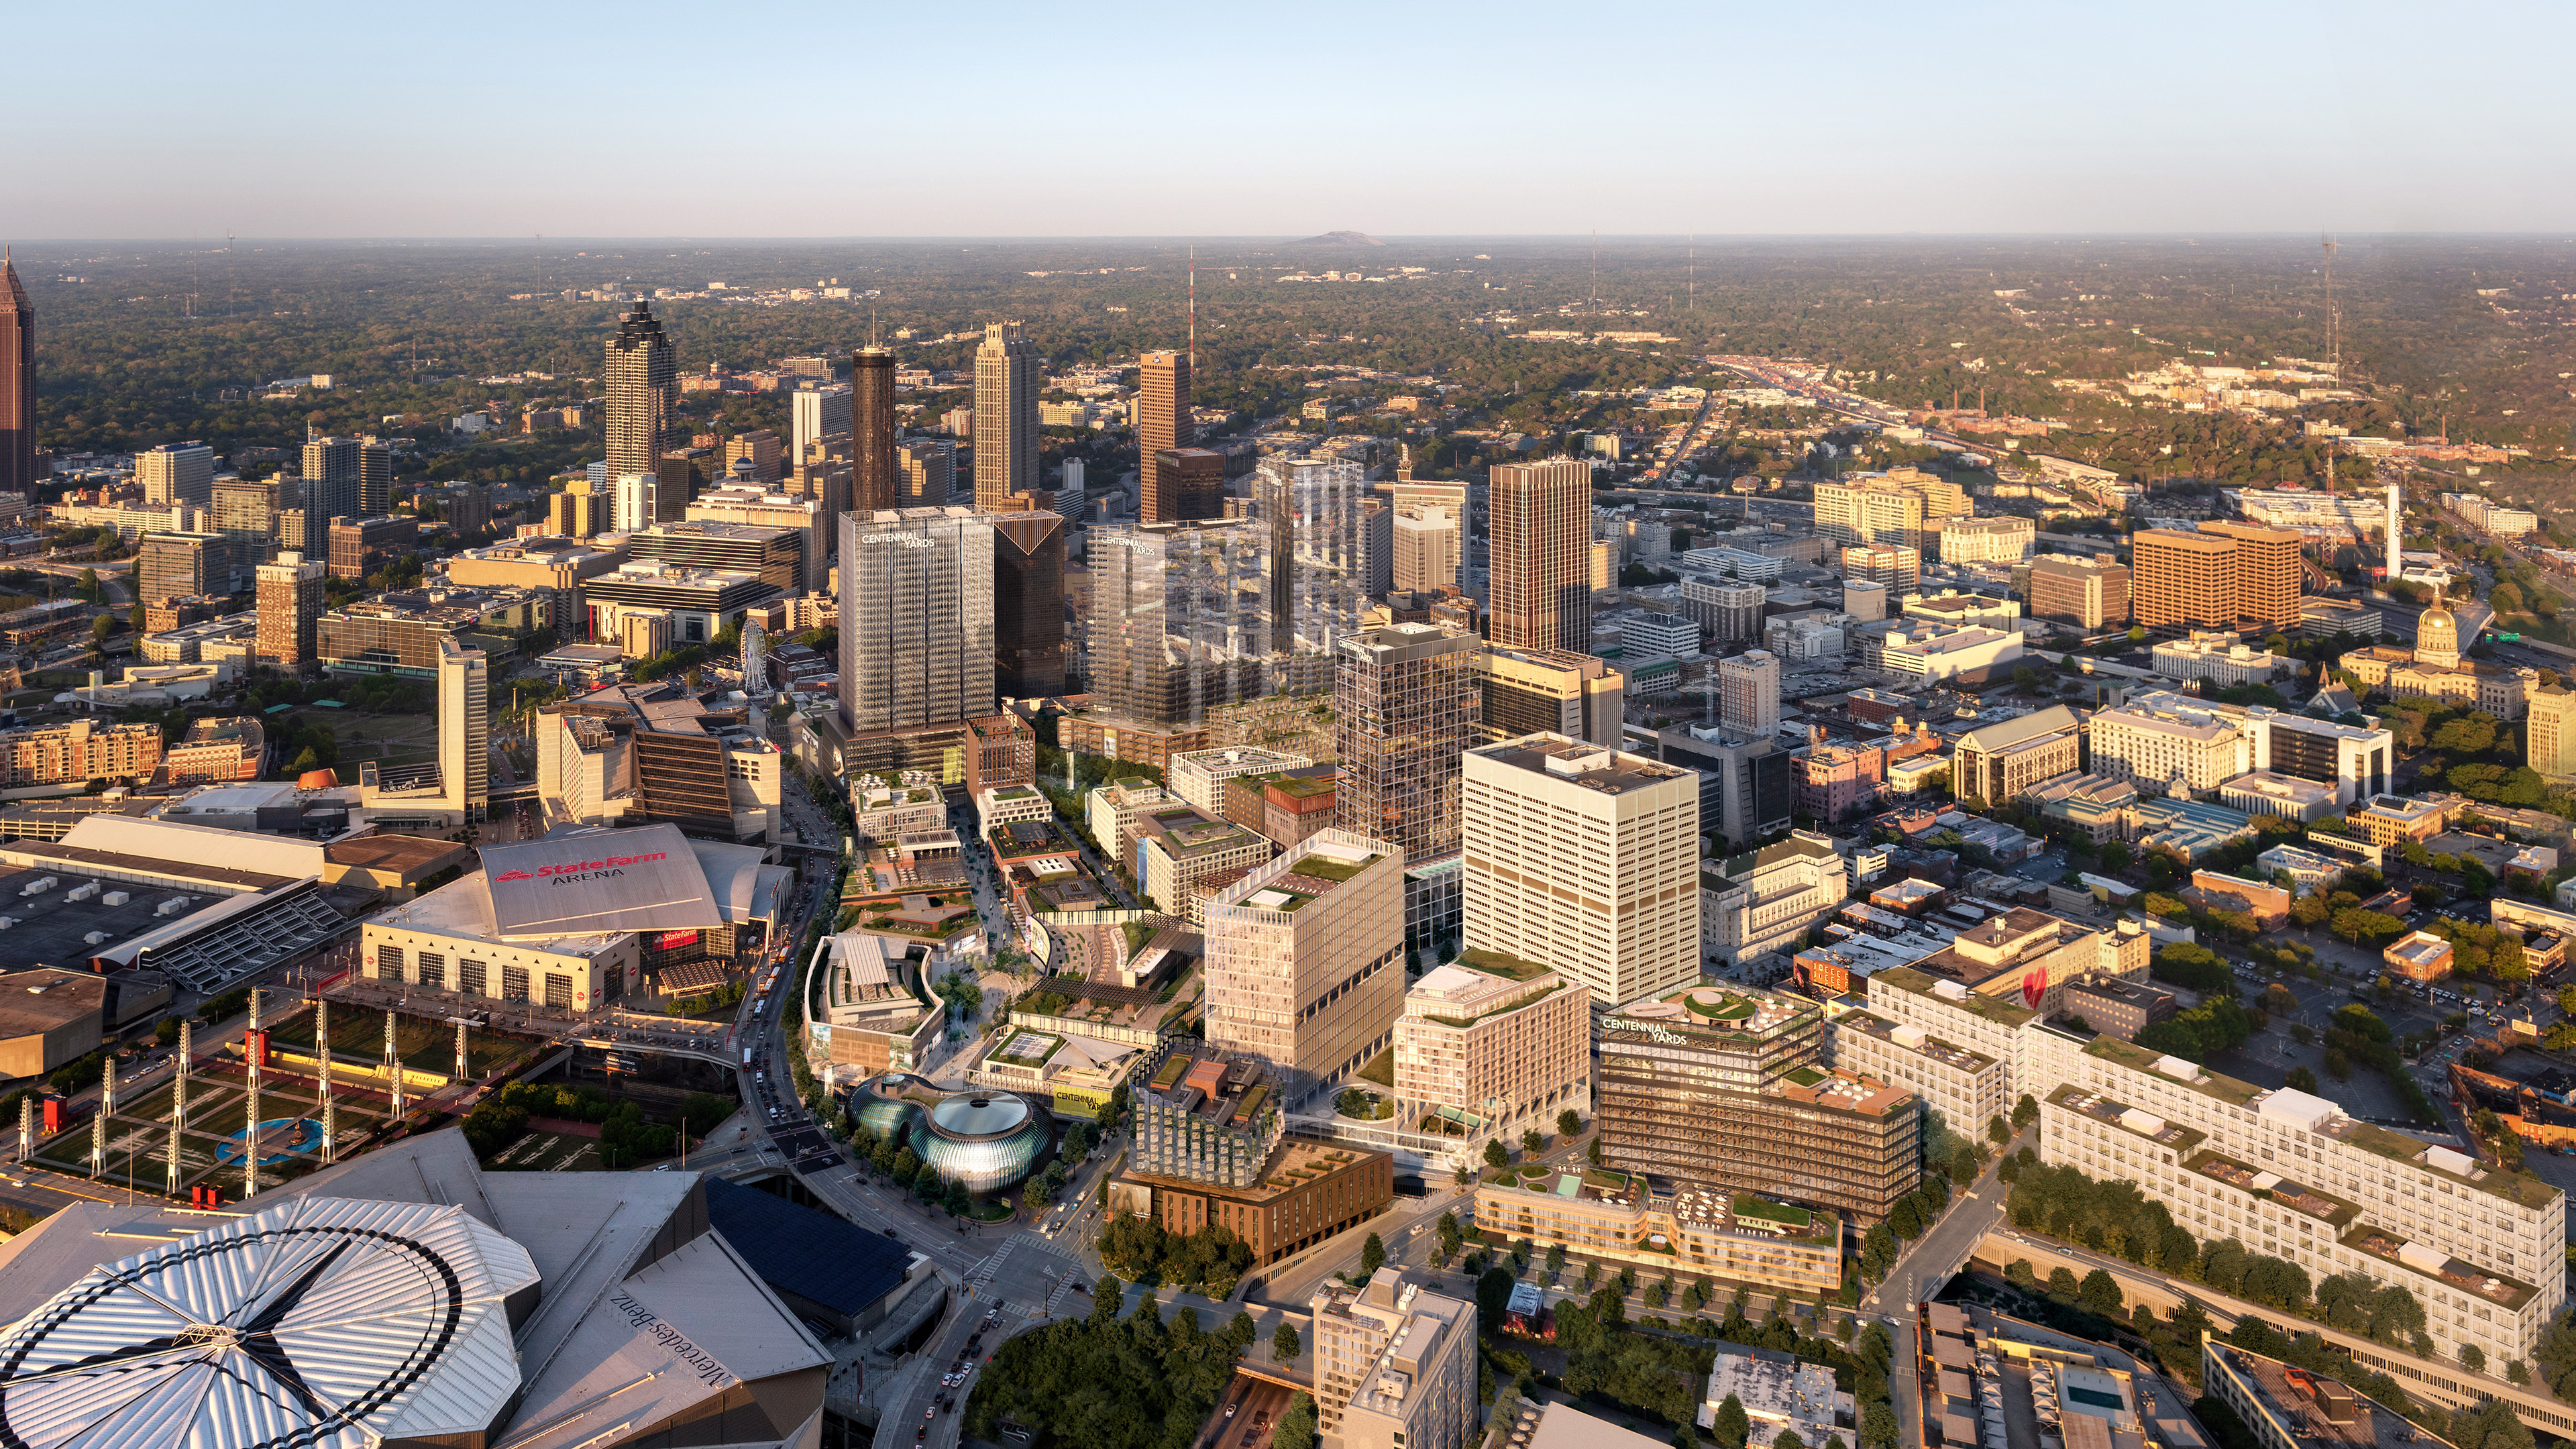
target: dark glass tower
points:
(874, 483)
(1028, 605)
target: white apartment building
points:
(1968, 1088)
(1918, 650)
(2219, 658)
(1987, 540)
(1395, 1366)
(1199, 776)
(1585, 858)
(1498, 1044)
(2163, 745)
(1110, 812)
(1764, 900)
(1305, 959)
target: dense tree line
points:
(1105, 1382)
(1211, 1260)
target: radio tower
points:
(179, 1100)
(1194, 310)
(322, 1054)
(2334, 319)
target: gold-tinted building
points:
(1162, 425)
(1541, 517)
(2089, 593)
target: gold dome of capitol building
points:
(2437, 638)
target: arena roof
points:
(575, 882)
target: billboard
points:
(674, 940)
(584, 882)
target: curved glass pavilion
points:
(988, 1140)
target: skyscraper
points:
(916, 622)
(1305, 960)
(1176, 624)
(925, 473)
(642, 378)
(2184, 578)
(2551, 729)
(464, 732)
(874, 481)
(246, 513)
(1748, 695)
(17, 384)
(289, 592)
(1426, 549)
(1542, 534)
(375, 477)
(2268, 571)
(1006, 416)
(1311, 512)
(1406, 706)
(331, 477)
(1584, 858)
(816, 412)
(1162, 423)
(1526, 691)
(1028, 605)
(1184, 485)
(177, 473)
(680, 476)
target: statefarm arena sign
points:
(644, 879)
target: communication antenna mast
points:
(2334, 319)
(1596, 267)
(1690, 287)
(1194, 309)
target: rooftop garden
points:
(2511, 1293)
(2137, 1058)
(1762, 1209)
(1499, 963)
(1986, 1008)
(1727, 1007)
(1325, 867)
(1514, 1003)
(2295, 1196)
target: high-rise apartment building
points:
(1395, 1366)
(1748, 695)
(1405, 702)
(1177, 623)
(1426, 549)
(289, 593)
(2551, 731)
(1187, 484)
(2217, 576)
(1728, 611)
(1585, 858)
(642, 380)
(1377, 548)
(634, 502)
(182, 566)
(1505, 1041)
(332, 469)
(79, 749)
(1006, 417)
(1898, 567)
(464, 732)
(177, 473)
(1305, 961)
(1541, 524)
(1871, 512)
(916, 621)
(1548, 691)
(1311, 512)
(1731, 1090)
(875, 482)
(817, 412)
(577, 511)
(17, 386)
(376, 478)
(1163, 425)
(1028, 605)
(2090, 593)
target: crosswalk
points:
(1059, 1275)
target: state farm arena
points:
(581, 918)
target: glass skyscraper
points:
(916, 617)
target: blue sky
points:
(291, 120)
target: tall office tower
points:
(759, 448)
(1071, 498)
(1176, 624)
(182, 566)
(1527, 691)
(1162, 424)
(464, 733)
(916, 617)
(1305, 961)
(1310, 511)
(2551, 730)
(1870, 512)
(1406, 706)
(1748, 695)
(1542, 533)
(1006, 416)
(1586, 859)
(575, 512)
(289, 592)
(18, 385)
(681, 475)
(816, 412)
(331, 476)
(2268, 571)
(2183, 578)
(375, 477)
(643, 380)
(634, 502)
(925, 473)
(245, 512)
(1426, 549)
(1028, 605)
(1377, 548)
(1747, 788)
(177, 473)
(1897, 567)
(1183, 485)
(2090, 593)
(874, 481)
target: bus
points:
(746, 1057)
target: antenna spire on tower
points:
(1194, 309)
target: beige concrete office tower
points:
(1305, 961)
(1162, 425)
(1395, 1366)
(289, 592)
(1587, 859)
(464, 735)
(176, 473)
(1552, 691)
(2090, 593)
(1426, 549)
(1870, 512)
(1541, 520)
(1898, 567)
(1748, 695)
(2551, 728)
(1496, 1044)
(643, 380)
(1406, 702)
(1006, 417)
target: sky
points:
(156, 120)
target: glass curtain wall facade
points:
(916, 617)
(1177, 625)
(1311, 512)
(1407, 705)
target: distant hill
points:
(1342, 239)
